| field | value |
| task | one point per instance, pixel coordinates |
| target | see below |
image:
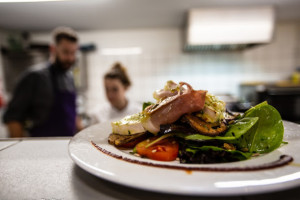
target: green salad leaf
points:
(146, 104)
(235, 153)
(235, 131)
(212, 154)
(267, 134)
(259, 130)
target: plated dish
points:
(90, 150)
(194, 126)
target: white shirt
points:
(108, 113)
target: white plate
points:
(209, 183)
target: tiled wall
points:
(163, 59)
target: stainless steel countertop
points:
(42, 169)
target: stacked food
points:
(194, 127)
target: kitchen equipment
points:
(230, 28)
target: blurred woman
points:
(117, 83)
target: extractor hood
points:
(229, 28)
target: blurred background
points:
(244, 51)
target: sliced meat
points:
(173, 107)
(170, 89)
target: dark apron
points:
(62, 116)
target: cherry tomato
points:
(164, 150)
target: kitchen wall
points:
(4, 35)
(297, 52)
(162, 59)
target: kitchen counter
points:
(42, 169)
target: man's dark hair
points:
(61, 33)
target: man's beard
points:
(64, 66)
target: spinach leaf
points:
(240, 127)
(267, 134)
(259, 130)
(211, 154)
(146, 104)
(234, 132)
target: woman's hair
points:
(118, 72)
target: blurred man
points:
(44, 100)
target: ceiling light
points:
(231, 25)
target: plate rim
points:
(244, 191)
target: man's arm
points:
(16, 110)
(15, 129)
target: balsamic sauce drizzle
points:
(283, 160)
